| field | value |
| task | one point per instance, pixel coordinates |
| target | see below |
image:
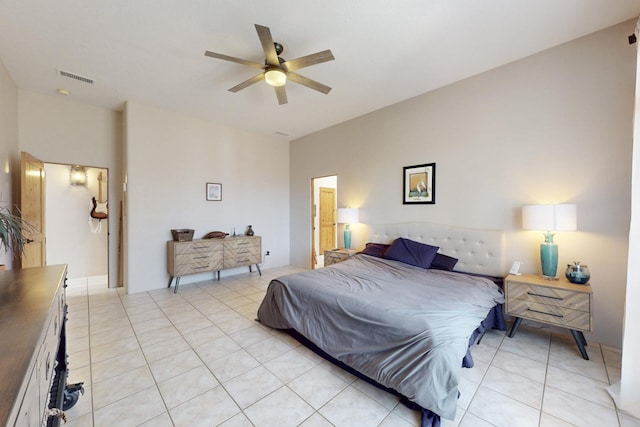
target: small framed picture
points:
(419, 184)
(214, 191)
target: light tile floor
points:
(198, 358)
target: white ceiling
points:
(152, 51)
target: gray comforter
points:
(403, 326)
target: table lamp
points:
(348, 216)
(548, 219)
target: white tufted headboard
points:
(478, 251)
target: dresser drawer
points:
(555, 315)
(547, 296)
(242, 256)
(198, 246)
(237, 243)
(197, 262)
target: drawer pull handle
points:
(544, 296)
(201, 257)
(544, 312)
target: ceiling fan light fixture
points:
(275, 77)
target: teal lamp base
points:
(549, 257)
(347, 237)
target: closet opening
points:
(77, 226)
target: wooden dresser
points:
(32, 313)
(212, 255)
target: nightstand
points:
(554, 302)
(333, 256)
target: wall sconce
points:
(77, 175)
(348, 216)
(549, 218)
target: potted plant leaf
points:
(12, 228)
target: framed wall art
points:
(214, 191)
(419, 184)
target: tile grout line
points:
(615, 406)
(546, 375)
(220, 383)
(135, 334)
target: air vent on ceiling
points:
(74, 76)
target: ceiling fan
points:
(276, 69)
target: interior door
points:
(327, 219)
(32, 207)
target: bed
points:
(394, 315)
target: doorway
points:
(78, 227)
(323, 222)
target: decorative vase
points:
(347, 237)
(549, 256)
(577, 273)
(249, 231)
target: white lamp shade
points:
(348, 215)
(549, 217)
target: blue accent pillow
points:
(411, 252)
(443, 262)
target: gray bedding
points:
(405, 327)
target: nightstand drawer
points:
(548, 296)
(553, 314)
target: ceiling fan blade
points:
(281, 93)
(234, 59)
(264, 33)
(305, 81)
(306, 61)
(248, 82)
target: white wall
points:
(554, 127)
(170, 157)
(8, 142)
(73, 237)
(57, 130)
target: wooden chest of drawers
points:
(212, 255)
(554, 302)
